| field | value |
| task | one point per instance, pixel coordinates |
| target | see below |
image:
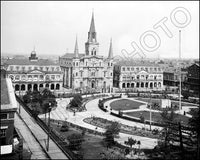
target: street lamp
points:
(50, 107)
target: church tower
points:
(92, 46)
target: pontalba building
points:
(89, 70)
(138, 75)
(33, 74)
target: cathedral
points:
(88, 71)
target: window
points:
(128, 69)
(111, 64)
(23, 77)
(47, 68)
(81, 73)
(123, 69)
(17, 68)
(58, 77)
(53, 77)
(57, 68)
(35, 67)
(52, 68)
(76, 74)
(76, 63)
(17, 77)
(41, 68)
(23, 68)
(41, 77)
(11, 115)
(111, 74)
(86, 64)
(11, 68)
(132, 68)
(29, 68)
(4, 116)
(104, 74)
(93, 74)
(3, 133)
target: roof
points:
(4, 92)
(40, 62)
(72, 55)
(135, 63)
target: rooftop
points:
(136, 63)
(4, 92)
(40, 62)
(72, 55)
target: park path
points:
(60, 113)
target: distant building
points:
(138, 75)
(193, 79)
(88, 71)
(8, 109)
(33, 74)
(171, 78)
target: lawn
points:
(125, 104)
(156, 117)
(159, 102)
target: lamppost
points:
(50, 107)
(150, 111)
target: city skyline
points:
(52, 27)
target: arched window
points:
(52, 86)
(17, 87)
(23, 87)
(123, 85)
(57, 86)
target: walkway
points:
(54, 151)
(60, 113)
(29, 141)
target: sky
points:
(51, 27)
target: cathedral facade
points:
(89, 70)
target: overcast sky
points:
(52, 26)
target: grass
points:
(156, 117)
(92, 145)
(125, 104)
(159, 102)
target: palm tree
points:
(130, 142)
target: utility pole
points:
(150, 111)
(181, 141)
(180, 71)
(48, 127)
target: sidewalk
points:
(54, 151)
(29, 141)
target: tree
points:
(76, 101)
(195, 123)
(130, 142)
(48, 100)
(111, 131)
(168, 120)
(75, 141)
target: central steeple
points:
(92, 46)
(92, 32)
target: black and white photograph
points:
(100, 80)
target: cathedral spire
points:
(110, 54)
(92, 32)
(76, 48)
